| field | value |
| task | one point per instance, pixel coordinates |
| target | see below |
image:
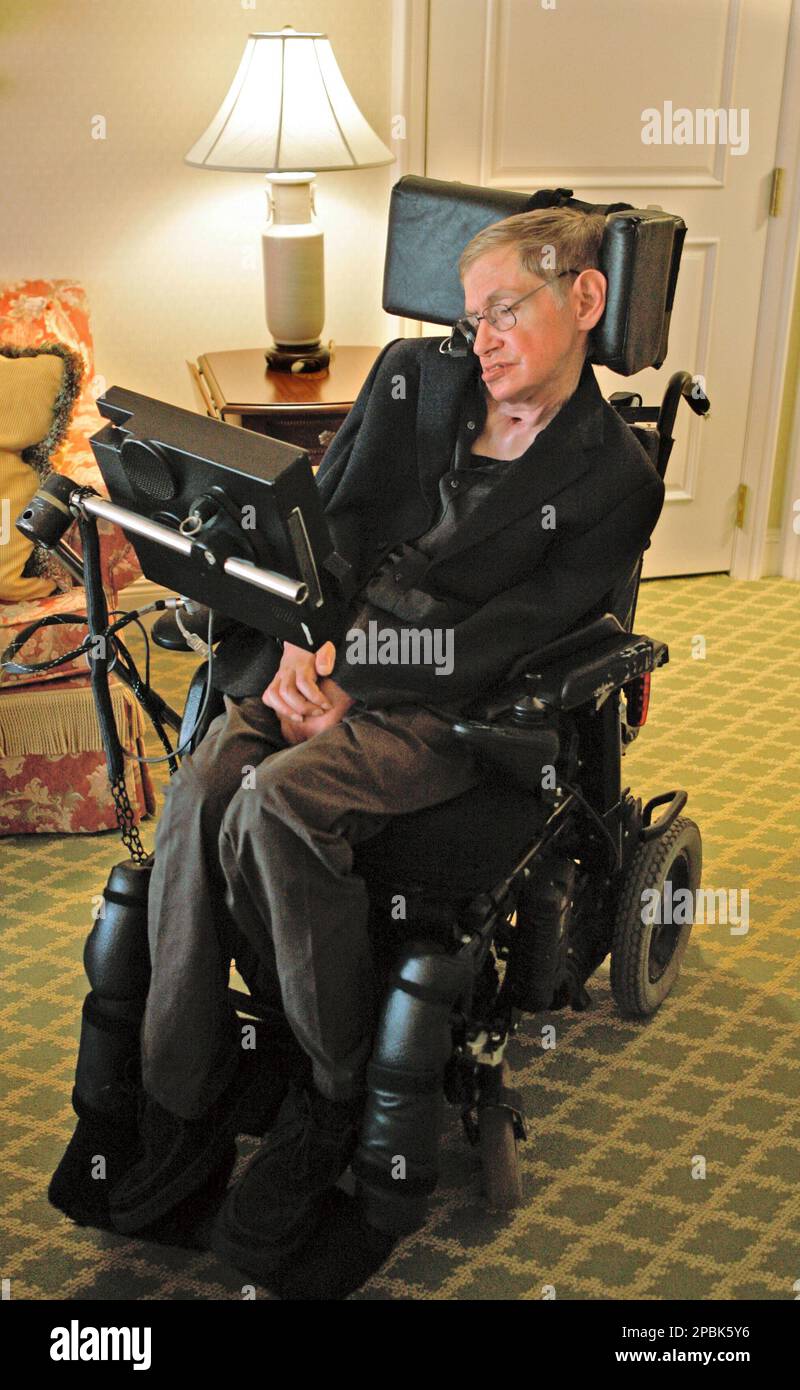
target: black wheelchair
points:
(505, 900)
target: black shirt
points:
(396, 578)
(396, 584)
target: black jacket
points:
(505, 583)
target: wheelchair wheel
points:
(646, 955)
(497, 1140)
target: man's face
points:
(528, 361)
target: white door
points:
(527, 94)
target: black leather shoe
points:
(81, 1184)
(178, 1157)
(342, 1254)
(276, 1052)
(277, 1203)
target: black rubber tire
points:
(645, 957)
(500, 1176)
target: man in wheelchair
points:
(490, 501)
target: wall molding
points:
(409, 91)
(141, 592)
(789, 539)
(772, 553)
(528, 180)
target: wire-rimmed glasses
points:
(501, 316)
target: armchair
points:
(52, 766)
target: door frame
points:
(772, 348)
(409, 93)
(790, 133)
(409, 86)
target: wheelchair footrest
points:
(498, 1096)
(503, 1098)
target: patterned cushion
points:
(38, 387)
(53, 776)
(33, 313)
(48, 642)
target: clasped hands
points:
(303, 695)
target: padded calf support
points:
(396, 1164)
(108, 1074)
(117, 961)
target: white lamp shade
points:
(288, 109)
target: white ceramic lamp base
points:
(294, 275)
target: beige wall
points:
(171, 255)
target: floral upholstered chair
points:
(52, 765)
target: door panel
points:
(526, 97)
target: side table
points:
(305, 410)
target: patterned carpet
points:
(620, 1113)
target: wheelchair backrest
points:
(431, 221)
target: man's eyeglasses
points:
(501, 316)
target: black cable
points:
(596, 817)
(141, 688)
(177, 752)
(144, 694)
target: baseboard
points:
(141, 592)
(772, 552)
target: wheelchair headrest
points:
(431, 221)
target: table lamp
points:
(288, 111)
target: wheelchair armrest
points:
(518, 730)
(571, 643)
(570, 683)
(574, 671)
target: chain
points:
(128, 830)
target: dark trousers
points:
(254, 862)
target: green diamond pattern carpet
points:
(624, 1117)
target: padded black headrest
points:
(431, 221)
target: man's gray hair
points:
(548, 240)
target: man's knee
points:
(279, 792)
(206, 781)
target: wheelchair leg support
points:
(108, 1074)
(396, 1164)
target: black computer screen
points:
(237, 495)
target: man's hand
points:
(339, 703)
(305, 705)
